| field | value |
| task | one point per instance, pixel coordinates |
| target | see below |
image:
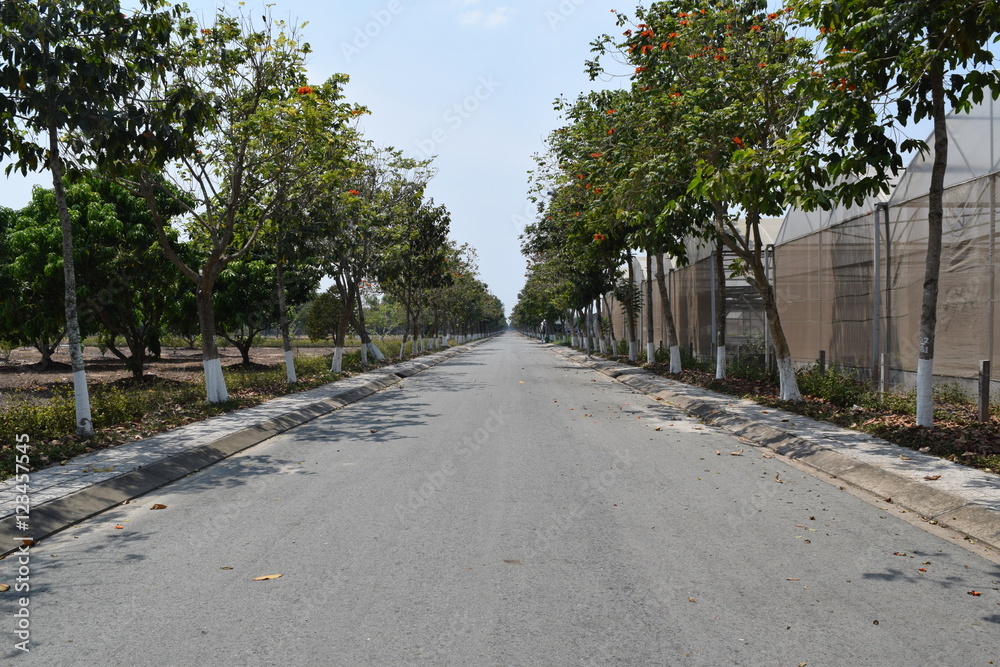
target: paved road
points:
(504, 508)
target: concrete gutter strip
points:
(60, 513)
(970, 505)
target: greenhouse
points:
(849, 281)
(855, 293)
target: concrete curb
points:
(968, 517)
(58, 514)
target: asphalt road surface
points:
(503, 508)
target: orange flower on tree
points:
(640, 70)
(738, 142)
(304, 90)
(611, 131)
(600, 237)
(755, 28)
(596, 154)
(354, 193)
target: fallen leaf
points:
(739, 453)
(793, 579)
(974, 593)
(119, 527)
(932, 478)
(925, 449)
(905, 458)
(658, 428)
(693, 600)
(28, 542)
(372, 430)
(225, 568)
(158, 506)
(921, 569)
(267, 577)
(777, 478)
(4, 588)
(718, 453)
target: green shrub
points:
(840, 387)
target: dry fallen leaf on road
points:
(372, 430)
(4, 588)
(974, 593)
(225, 567)
(777, 478)
(691, 600)
(739, 453)
(119, 527)
(158, 506)
(267, 577)
(932, 478)
(905, 458)
(718, 453)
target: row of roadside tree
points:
(729, 112)
(197, 171)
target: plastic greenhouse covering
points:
(849, 281)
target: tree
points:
(32, 311)
(731, 66)
(126, 284)
(414, 262)
(308, 139)
(922, 55)
(66, 67)
(224, 174)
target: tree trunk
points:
(650, 335)
(286, 339)
(84, 421)
(631, 315)
(215, 382)
(611, 329)
(720, 311)
(932, 267)
(668, 313)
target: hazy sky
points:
(471, 81)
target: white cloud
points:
(486, 19)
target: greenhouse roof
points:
(972, 153)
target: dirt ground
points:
(175, 364)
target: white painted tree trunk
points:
(675, 359)
(215, 383)
(377, 353)
(604, 346)
(786, 375)
(290, 366)
(364, 355)
(633, 351)
(338, 360)
(82, 395)
(720, 362)
(925, 393)
(650, 353)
